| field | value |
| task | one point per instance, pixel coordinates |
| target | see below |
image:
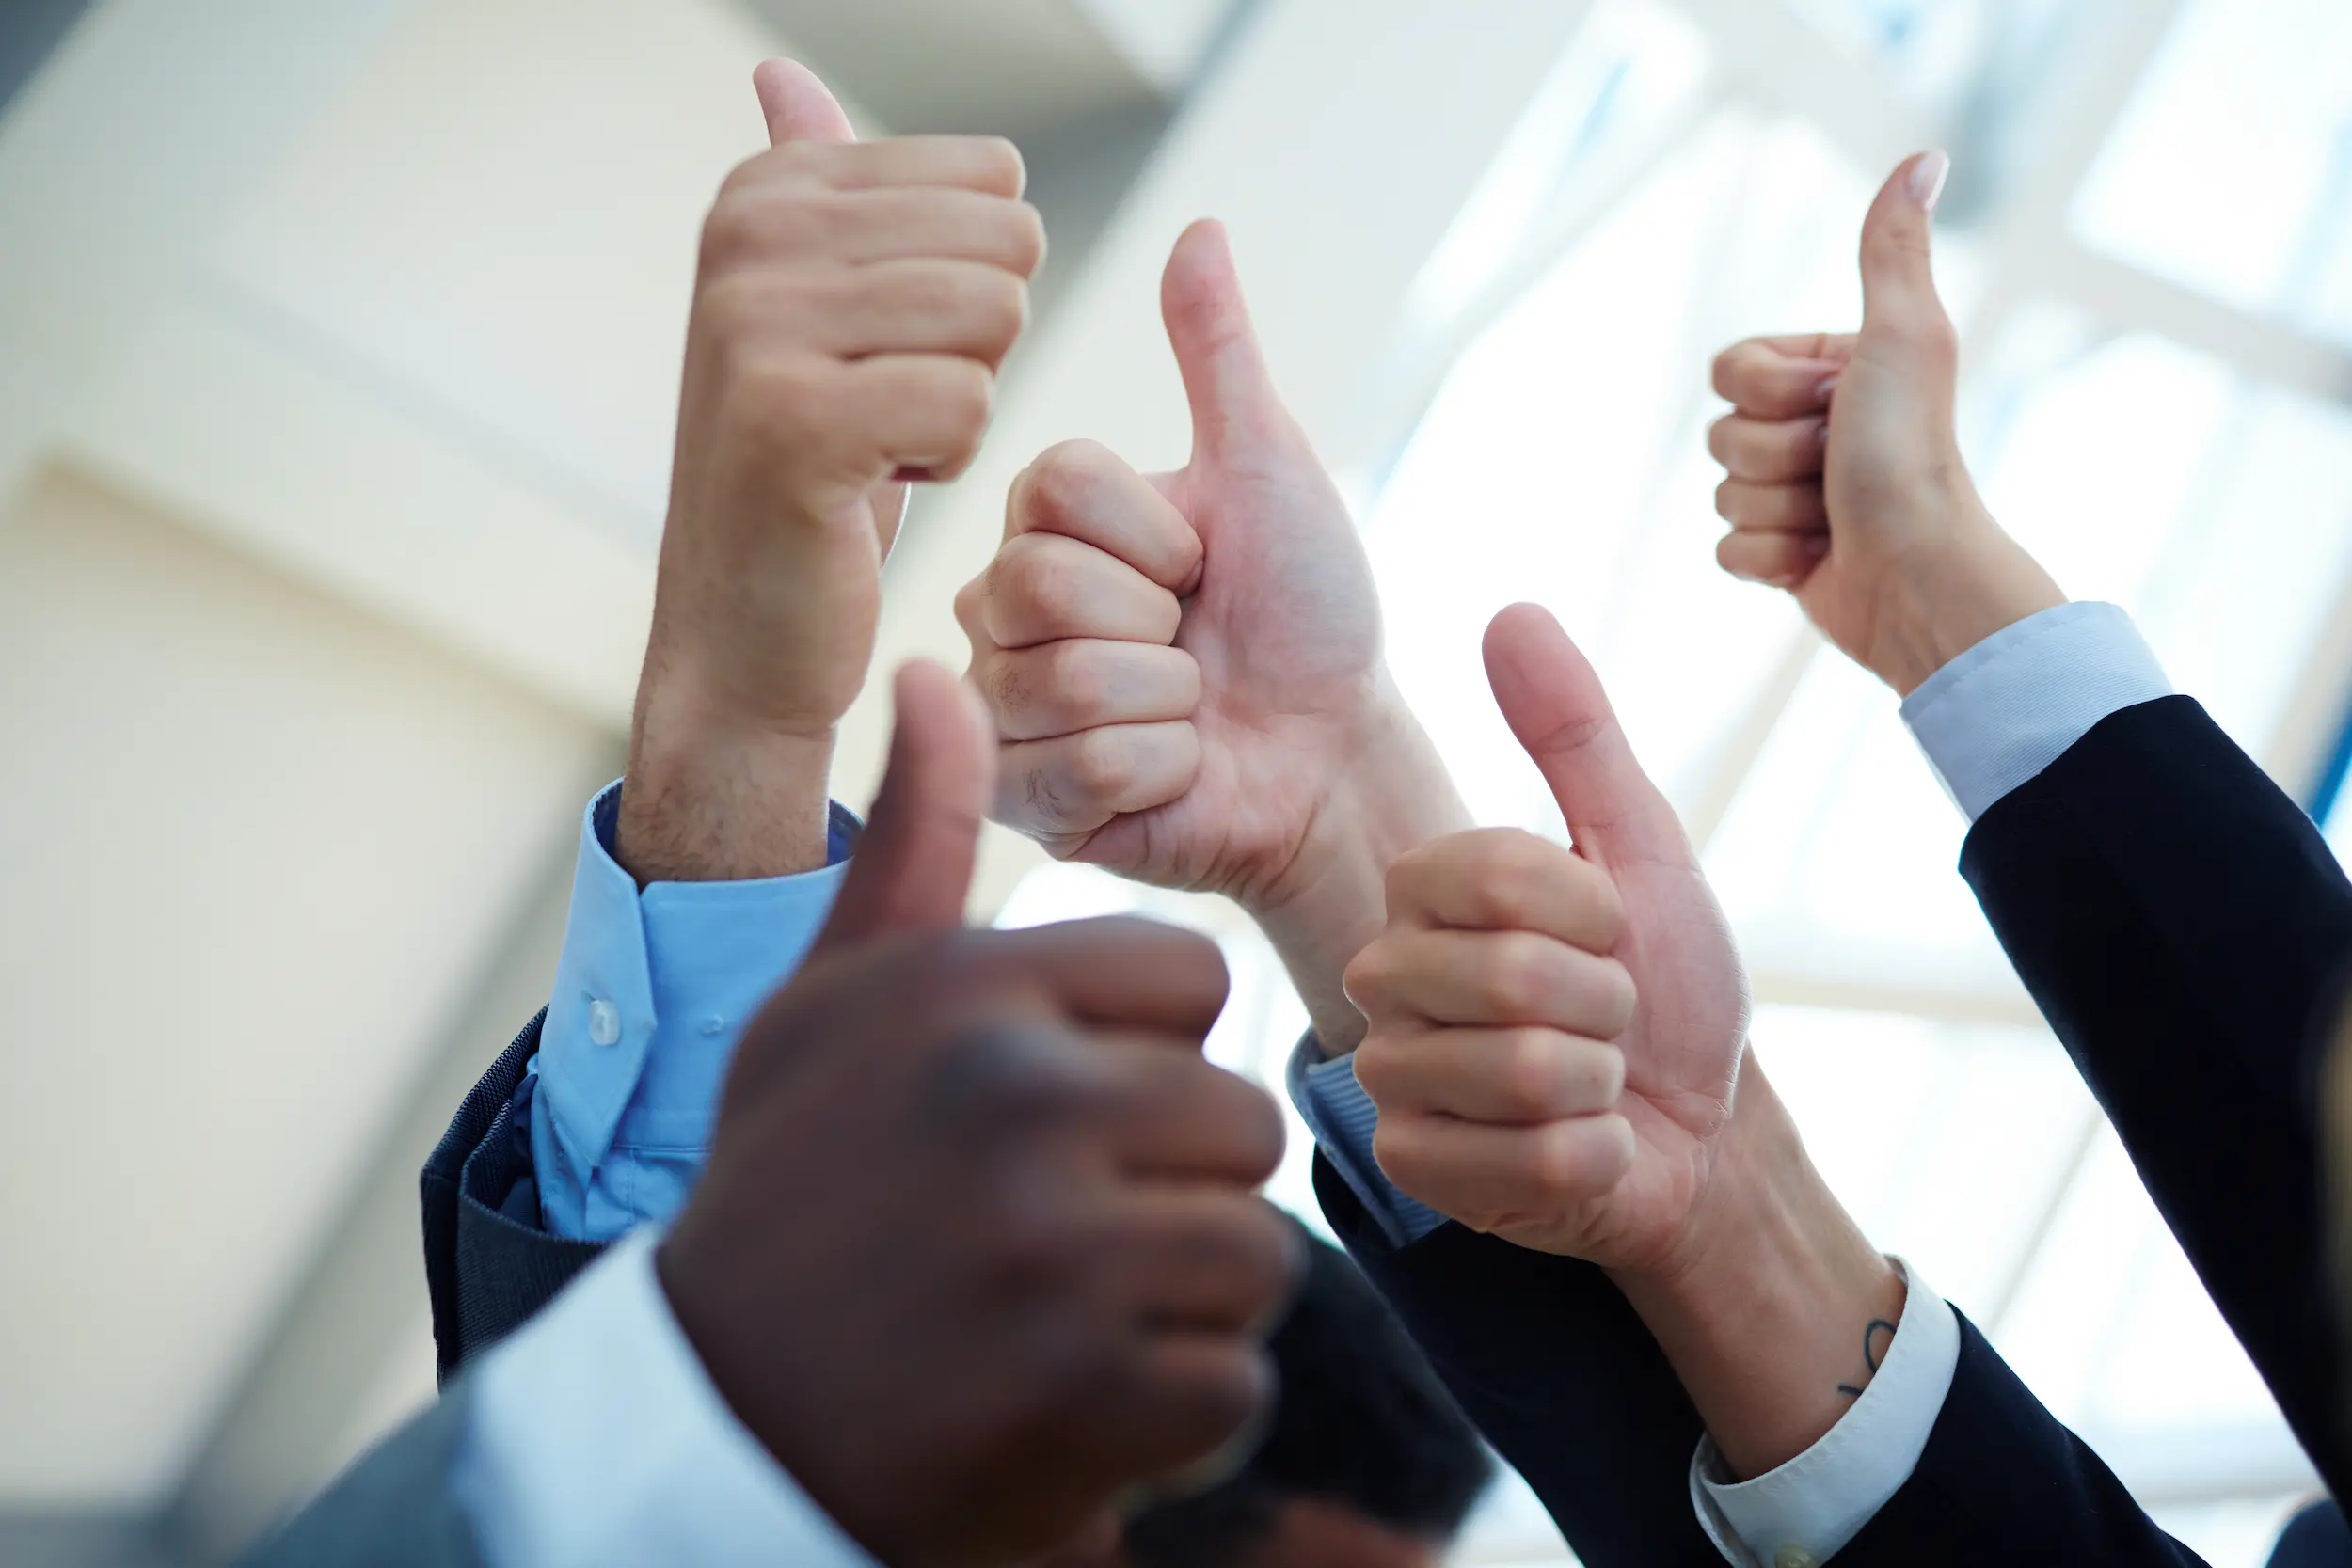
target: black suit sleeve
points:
(1547, 1360)
(2180, 923)
(489, 1268)
(1546, 1357)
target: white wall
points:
(253, 846)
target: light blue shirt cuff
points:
(1342, 1116)
(594, 1437)
(651, 993)
(2015, 702)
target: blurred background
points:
(339, 346)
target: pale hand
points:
(1556, 1036)
(1186, 668)
(1846, 484)
(853, 304)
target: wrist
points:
(1765, 1307)
(1942, 604)
(1390, 793)
(711, 797)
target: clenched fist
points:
(852, 306)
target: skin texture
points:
(851, 306)
(1041, 1274)
(1186, 668)
(1854, 498)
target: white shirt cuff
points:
(2015, 702)
(1807, 1510)
(594, 1438)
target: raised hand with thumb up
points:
(1556, 1034)
(1845, 482)
(1186, 668)
(978, 1252)
(853, 304)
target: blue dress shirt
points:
(602, 1397)
(652, 992)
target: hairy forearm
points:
(1779, 1312)
(707, 800)
(1394, 795)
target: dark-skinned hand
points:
(978, 1255)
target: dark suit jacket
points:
(488, 1266)
(1542, 1353)
(2180, 923)
(1546, 1356)
(2178, 920)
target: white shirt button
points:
(1795, 1557)
(714, 1025)
(604, 1022)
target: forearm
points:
(1938, 605)
(1779, 1313)
(709, 798)
(1395, 796)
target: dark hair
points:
(1360, 1421)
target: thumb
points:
(1233, 397)
(1900, 305)
(798, 107)
(914, 865)
(1555, 706)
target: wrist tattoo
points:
(1871, 1351)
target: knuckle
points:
(1002, 305)
(1026, 239)
(1368, 982)
(1620, 998)
(1000, 161)
(1599, 905)
(1607, 1069)
(1719, 439)
(778, 400)
(1396, 1152)
(1036, 577)
(1074, 683)
(1062, 479)
(966, 393)
(1724, 373)
(727, 233)
(1521, 867)
(1007, 683)
(1530, 1072)
(731, 304)
(1517, 977)
(1556, 1166)
(1100, 766)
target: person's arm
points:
(2176, 918)
(851, 306)
(1499, 1005)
